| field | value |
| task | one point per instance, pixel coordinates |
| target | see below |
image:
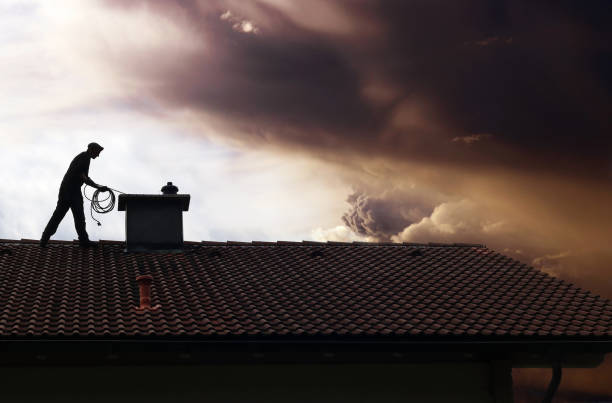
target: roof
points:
(289, 289)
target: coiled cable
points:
(101, 206)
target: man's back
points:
(73, 179)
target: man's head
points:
(94, 149)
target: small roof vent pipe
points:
(144, 287)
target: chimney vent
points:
(169, 189)
(154, 222)
(144, 287)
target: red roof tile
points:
(288, 289)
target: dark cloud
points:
(499, 86)
(384, 215)
(517, 86)
(534, 76)
(538, 94)
(494, 40)
(472, 138)
(284, 81)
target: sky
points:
(395, 121)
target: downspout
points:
(554, 382)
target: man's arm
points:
(93, 184)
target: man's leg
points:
(76, 206)
(60, 211)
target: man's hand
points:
(103, 189)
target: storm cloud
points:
(384, 215)
(401, 79)
(504, 108)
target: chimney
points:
(144, 287)
(154, 222)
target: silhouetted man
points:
(70, 196)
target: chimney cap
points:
(138, 198)
(169, 189)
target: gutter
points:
(526, 346)
(534, 354)
(604, 344)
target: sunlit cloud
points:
(472, 138)
(239, 24)
(339, 233)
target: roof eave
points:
(138, 351)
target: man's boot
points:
(87, 244)
(44, 239)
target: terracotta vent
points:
(144, 286)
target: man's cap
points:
(95, 146)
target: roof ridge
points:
(271, 243)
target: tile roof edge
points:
(108, 242)
(212, 243)
(2, 240)
(269, 243)
(571, 286)
(26, 240)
